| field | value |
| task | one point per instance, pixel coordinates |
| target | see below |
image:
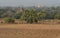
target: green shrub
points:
(9, 20)
(30, 16)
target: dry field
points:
(29, 31)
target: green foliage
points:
(57, 16)
(30, 16)
(9, 20)
(42, 15)
(18, 15)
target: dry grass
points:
(29, 31)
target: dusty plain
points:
(29, 30)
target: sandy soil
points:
(30, 26)
(29, 31)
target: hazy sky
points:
(29, 2)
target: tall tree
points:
(30, 16)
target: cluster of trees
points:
(9, 20)
(53, 13)
(7, 12)
(32, 15)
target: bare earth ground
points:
(29, 31)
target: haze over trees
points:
(30, 15)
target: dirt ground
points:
(29, 31)
(30, 26)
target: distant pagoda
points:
(20, 9)
(38, 5)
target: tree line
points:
(31, 15)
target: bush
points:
(9, 20)
(30, 16)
